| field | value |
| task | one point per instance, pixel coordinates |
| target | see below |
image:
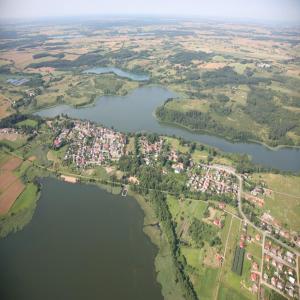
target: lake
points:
(82, 243)
(135, 112)
(118, 72)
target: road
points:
(216, 167)
(264, 233)
(240, 208)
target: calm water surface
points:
(118, 72)
(82, 243)
(135, 112)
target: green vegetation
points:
(202, 232)
(22, 211)
(27, 123)
(200, 121)
(240, 86)
(158, 202)
(237, 265)
(283, 203)
(186, 57)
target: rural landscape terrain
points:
(224, 227)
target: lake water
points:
(135, 112)
(118, 72)
(82, 243)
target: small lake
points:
(118, 72)
(135, 112)
(82, 243)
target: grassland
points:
(21, 202)
(210, 279)
(163, 261)
(182, 57)
(284, 202)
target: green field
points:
(26, 199)
(284, 204)
(28, 123)
(238, 260)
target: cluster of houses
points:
(272, 226)
(149, 150)
(89, 144)
(256, 195)
(254, 275)
(7, 131)
(279, 269)
(61, 138)
(216, 181)
(280, 253)
(255, 200)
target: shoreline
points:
(171, 124)
(250, 141)
(169, 288)
(164, 276)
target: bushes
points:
(261, 107)
(202, 232)
(227, 75)
(159, 203)
(186, 57)
(45, 54)
(202, 121)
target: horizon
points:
(266, 11)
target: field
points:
(212, 73)
(10, 185)
(211, 279)
(238, 261)
(28, 123)
(284, 203)
(237, 81)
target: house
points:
(255, 266)
(178, 168)
(218, 223)
(279, 285)
(254, 277)
(292, 280)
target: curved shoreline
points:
(228, 139)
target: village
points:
(279, 269)
(89, 144)
(275, 267)
(206, 179)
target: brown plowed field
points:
(10, 185)
(11, 164)
(8, 197)
(6, 179)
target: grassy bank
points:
(21, 212)
(163, 262)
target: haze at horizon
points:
(262, 10)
